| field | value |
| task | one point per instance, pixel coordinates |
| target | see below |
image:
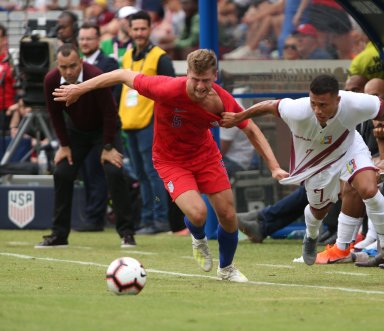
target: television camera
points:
(36, 58)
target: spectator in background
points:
(189, 38)
(7, 81)
(89, 44)
(44, 5)
(122, 42)
(236, 150)
(8, 108)
(295, 13)
(67, 27)
(367, 63)
(111, 29)
(308, 44)
(260, 20)
(290, 49)
(167, 24)
(92, 121)
(136, 112)
(92, 172)
(154, 8)
(99, 13)
(334, 27)
(175, 15)
(230, 32)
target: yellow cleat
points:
(201, 253)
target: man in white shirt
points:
(326, 149)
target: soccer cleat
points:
(251, 228)
(332, 254)
(232, 274)
(52, 241)
(359, 256)
(128, 241)
(364, 243)
(330, 240)
(201, 253)
(309, 250)
(250, 216)
(377, 261)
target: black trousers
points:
(118, 182)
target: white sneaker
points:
(371, 246)
(364, 243)
(232, 274)
(242, 52)
(201, 253)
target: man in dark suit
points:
(92, 171)
(91, 122)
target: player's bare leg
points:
(227, 235)
(365, 184)
(349, 221)
(195, 211)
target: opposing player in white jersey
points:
(326, 148)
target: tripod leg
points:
(25, 122)
(44, 127)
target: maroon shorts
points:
(205, 177)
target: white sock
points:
(312, 223)
(371, 230)
(346, 228)
(375, 211)
(357, 230)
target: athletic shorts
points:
(328, 19)
(324, 187)
(205, 177)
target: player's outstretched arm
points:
(258, 140)
(262, 108)
(71, 93)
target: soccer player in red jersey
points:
(184, 151)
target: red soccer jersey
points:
(181, 131)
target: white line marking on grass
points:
(139, 252)
(343, 289)
(178, 274)
(25, 243)
(347, 273)
(18, 243)
(258, 264)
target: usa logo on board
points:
(21, 207)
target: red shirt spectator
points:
(7, 81)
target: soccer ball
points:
(126, 275)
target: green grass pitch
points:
(65, 289)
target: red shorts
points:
(205, 177)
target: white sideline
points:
(178, 274)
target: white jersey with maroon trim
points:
(314, 148)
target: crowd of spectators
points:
(248, 29)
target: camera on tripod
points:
(36, 58)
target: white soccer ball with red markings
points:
(126, 275)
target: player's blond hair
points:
(201, 60)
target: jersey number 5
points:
(176, 122)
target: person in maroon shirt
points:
(92, 121)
